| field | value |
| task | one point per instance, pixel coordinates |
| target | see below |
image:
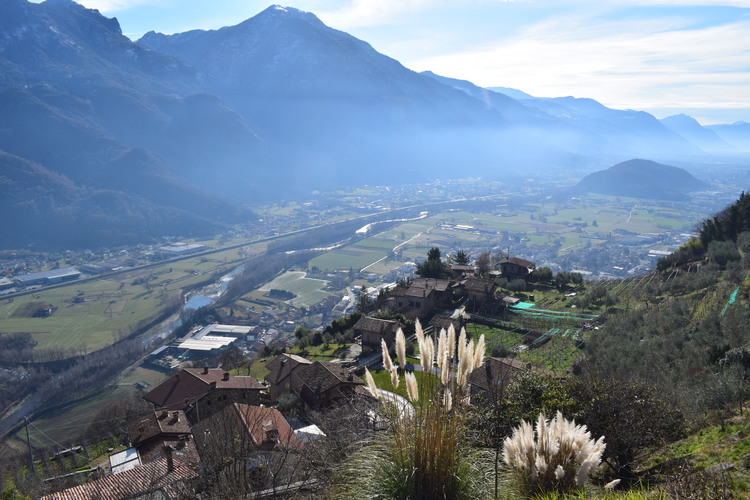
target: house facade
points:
(373, 330)
(514, 268)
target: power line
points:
(45, 435)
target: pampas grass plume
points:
(387, 363)
(371, 384)
(451, 341)
(419, 331)
(401, 348)
(461, 344)
(558, 455)
(412, 388)
(442, 339)
(479, 353)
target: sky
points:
(661, 56)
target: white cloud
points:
(633, 65)
(114, 5)
(681, 3)
(359, 13)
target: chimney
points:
(226, 376)
(205, 370)
(212, 385)
(170, 460)
(164, 413)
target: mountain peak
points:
(638, 178)
(682, 119)
(78, 12)
(280, 12)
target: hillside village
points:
(275, 419)
(265, 260)
(289, 421)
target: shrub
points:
(557, 456)
(632, 416)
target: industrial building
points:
(48, 277)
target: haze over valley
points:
(110, 141)
(225, 195)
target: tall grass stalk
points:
(428, 458)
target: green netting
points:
(732, 298)
(523, 305)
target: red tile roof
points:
(267, 427)
(191, 384)
(132, 483)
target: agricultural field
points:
(88, 316)
(594, 233)
(308, 291)
(350, 257)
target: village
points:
(211, 409)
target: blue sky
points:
(661, 56)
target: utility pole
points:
(28, 442)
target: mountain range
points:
(112, 140)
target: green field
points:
(350, 257)
(88, 316)
(308, 291)
(383, 381)
(323, 352)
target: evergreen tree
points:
(433, 267)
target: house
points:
(514, 268)
(200, 392)
(422, 296)
(488, 381)
(480, 295)
(322, 383)
(154, 432)
(373, 330)
(249, 443)
(254, 428)
(510, 301)
(44, 311)
(460, 271)
(167, 479)
(440, 322)
(280, 369)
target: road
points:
(400, 402)
(211, 251)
